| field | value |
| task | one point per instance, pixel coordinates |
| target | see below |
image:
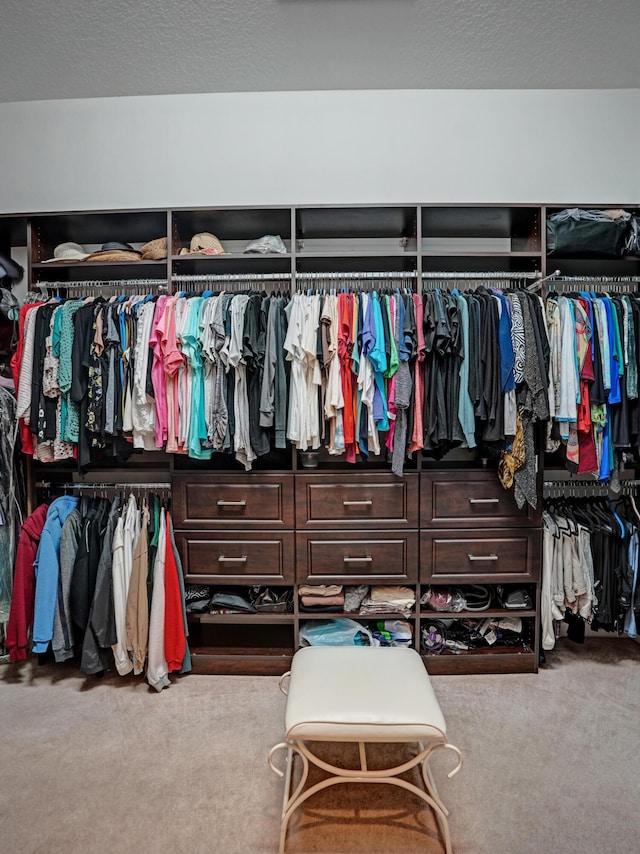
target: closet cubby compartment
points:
(13, 232)
(374, 238)
(496, 607)
(480, 230)
(91, 231)
(235, 228)
(481, 238)
(517, 657)
(242, 644)
(592, 263)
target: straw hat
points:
(204, 244)
(114, 255)
(154, 250)
(68, 252)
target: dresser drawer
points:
(352, 558)
(363, 501)
(232, 501)
(228, 558)
(466, 557)
(472, 499)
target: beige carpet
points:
(92, 766)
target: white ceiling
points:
(88, 48)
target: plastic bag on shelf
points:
(443, 599)
(266, 244)
(393, 633)
(340, 632)
(632, 246)
(353, 596)
(575, 231)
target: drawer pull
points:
(484, 501)
(222, 503)
(482, 557)
(365, 559)
(223, 559)
(367, 503)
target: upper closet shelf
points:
(479, 254)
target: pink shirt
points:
(157, 373)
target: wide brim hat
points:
(117, 245)
(67, 252)
(204, 243)
(114, 255)
(154, 250)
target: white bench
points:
(361, 695)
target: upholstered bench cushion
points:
(361, 694)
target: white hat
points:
(68, 252)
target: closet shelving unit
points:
(282, 524)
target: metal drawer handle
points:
(222, 503)
(483, 557)
(365, 559)
(366, 503)
(484, 501)
(223, 559)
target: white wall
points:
(321, 147)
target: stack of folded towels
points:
(321, 597)
(391, 599)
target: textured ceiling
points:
(88, 48)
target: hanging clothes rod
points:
(108, 283)
(587, 486)
(115, 284)
(479, 276)
(613, 279)
(232, 277)
(45, 484)
(398, 274)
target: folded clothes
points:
(369, 608)
(389, 599)
(319, 589)
(393, 593)
(310, 601)
(321, 609)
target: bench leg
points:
(291, 802)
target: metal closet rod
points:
(496, 274)
(397, 274)
(114, 283)
(232, 277)
(45, 484)
(574, 482)
(621, 279)
(571, 489)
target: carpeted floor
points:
(551, 764)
